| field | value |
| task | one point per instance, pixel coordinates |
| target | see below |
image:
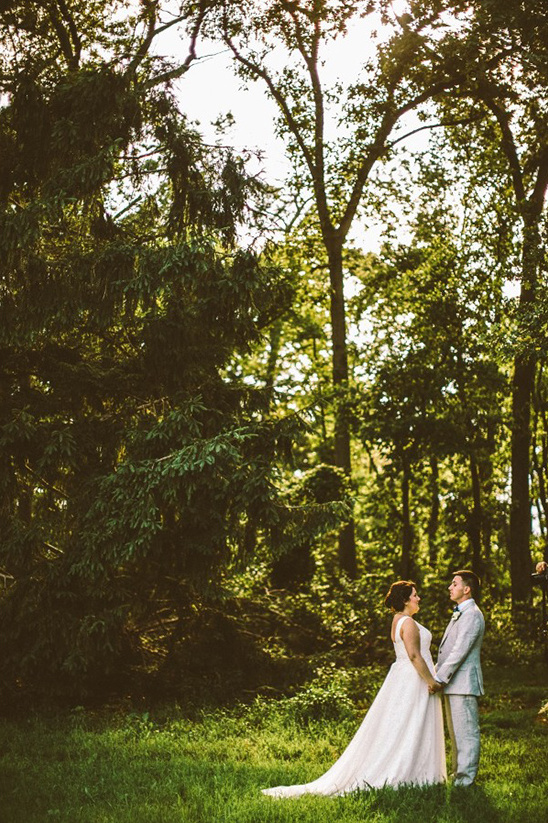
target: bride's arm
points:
(411, 639)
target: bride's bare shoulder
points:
(409, 629)
(395, 620)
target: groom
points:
(458, 672)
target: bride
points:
(400, 740)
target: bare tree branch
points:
(63, 37)
(75, 37)
(508, 144)
(150, 12)
(379, 146)
(461, 122)
(311, 61)
(173, 74)
(45, 483)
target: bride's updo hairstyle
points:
(398, 594)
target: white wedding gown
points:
(400, 740)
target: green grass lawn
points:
(117, 766)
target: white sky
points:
(210, 89)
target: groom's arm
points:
(468, 635)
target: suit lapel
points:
(446, 632)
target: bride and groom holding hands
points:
(401, 739)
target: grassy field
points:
(123, 766)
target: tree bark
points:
(520, 511)
(407, 529)
(342, 455)
(272, 362)
(433, 519)
(522, 392)
(540, 450)
(476, 518)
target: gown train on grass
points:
(400, 740)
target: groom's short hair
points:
(470, 578)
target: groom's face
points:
(457, 590)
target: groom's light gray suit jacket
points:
(459, 654)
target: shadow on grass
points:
(433, 804)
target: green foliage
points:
(136, 462)
(430, 405)
(317, 703)
(332, 695)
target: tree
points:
(506, 78)
(431, 401)
(336, 166)
(133, 458)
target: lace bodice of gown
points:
(425, 641)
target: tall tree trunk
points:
(522, 392)
(540, 450)
(347, 543)
(520, 511)
(434, 516)
(407, 529)
(322, 407)
(531, 208)
(476, 517)
(272, 362)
